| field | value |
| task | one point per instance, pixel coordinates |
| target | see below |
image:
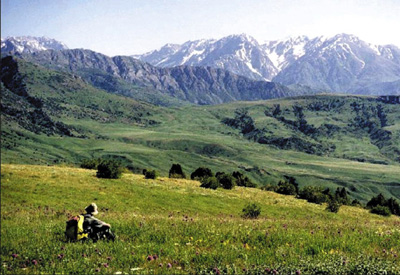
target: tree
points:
(210, 182)
(176, 172)
(151, 174)
(109, 169)
(200, 173)
(381, 115)
(226, 181)
(333, 206)
(341, 196)
(375, 201)
(277, 110)
(242, 180)
(286, 188)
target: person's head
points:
(92, 209)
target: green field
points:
(195, 230)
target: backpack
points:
(74, 230)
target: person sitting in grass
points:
(97, 229)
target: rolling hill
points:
(52, 117)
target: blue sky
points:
(117, 27)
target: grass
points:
(196, 230)
(194, 136)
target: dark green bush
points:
(226, 181)
(341, 196)
(270, 187)
(355, 202)
(200, 173)
(109, 169)
(251, 211)
(313, 194)
(151, 174)
(242, 180)
(210, 182)
(176, 172)
(380, 200)
(333, 206)
(381, 210)
(286, 188)
(90, 163)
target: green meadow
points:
(186, 228)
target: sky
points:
(127, 27)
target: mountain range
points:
(342, 63)
(233, 68)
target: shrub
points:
(375, 201)
(381, 210)
(90, 163)
(242, 180)
(109, 169)
(313, 194)
(176, 172)
(355, 202)
(226, 181)
(151, 174)
(270, 187)
(251, 211)
(200, 173)
(333, 206)
(393, 206)
(341, 196)
(210, 182)
(286, 188)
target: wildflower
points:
(97, 269)
(160, 265)
(105, 265)
(298, 272)
(268, 270)
(169, 265)
(84, 255)
(216, 270)
(34, 262)
(155, 257)
(14, 256)
(150, 258)
(109, 258)
(274, 271)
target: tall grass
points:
(193, 229)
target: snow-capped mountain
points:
(342, 63)
(30, 44)
(240, 54)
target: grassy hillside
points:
(196, 230)
(344, 142)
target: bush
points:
(151, 174)
(333, 206)
(341, 196)
(176, 172)
(242, 180)
(226, 181)
(210, 182)
(90, 163)
(251, 211)
(269, 187)
(381, 210)
(313, 194)
(200, 173)
(286, 188)
(109, 169)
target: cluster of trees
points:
(313, 194)
(386, 207)
(106, 168)
(112, 169)
(221, 179)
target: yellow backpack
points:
(74, 230)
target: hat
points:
(92, 209)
